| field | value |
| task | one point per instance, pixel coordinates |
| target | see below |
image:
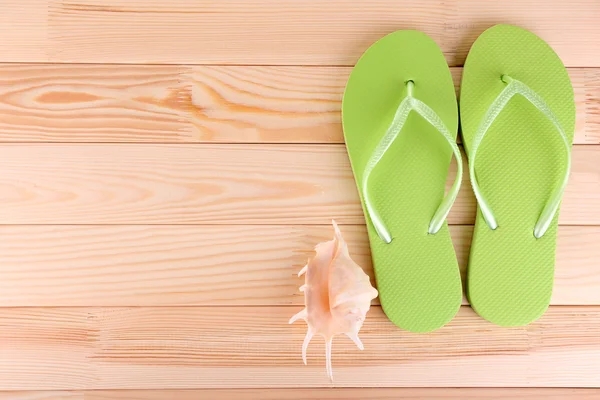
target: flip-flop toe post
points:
(517, 116)
(400, 121)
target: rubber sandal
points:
(400, 120)
(518, 121)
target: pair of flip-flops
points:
(400, 122)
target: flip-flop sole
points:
(519, 163)
(417, 273)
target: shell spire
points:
(337, 296)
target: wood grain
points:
(166, 168)
(274, 32)
(174, 104)
(215, 265)
(592, 101)
(100, 103)
(218, 184)
(251, 347)
(316, 393)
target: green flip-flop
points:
(518, 118)
(400, 121)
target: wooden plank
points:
(92, 103)
(57, 395)
(24, 30)
(316, 393)
(273, 32)
(215, 265)
(252, 347)
(218, 184)
(172, 104)
(592, 102)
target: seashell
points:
(337, 295)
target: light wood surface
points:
(166, 168)
(174, 104)
(309, 394)
(308, 32)
(184, 347)
(93, 103)
(219, 184)
(216, 265)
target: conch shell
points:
(337, 295)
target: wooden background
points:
(167, 166)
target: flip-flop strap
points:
(408, 104)
(513, 87)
